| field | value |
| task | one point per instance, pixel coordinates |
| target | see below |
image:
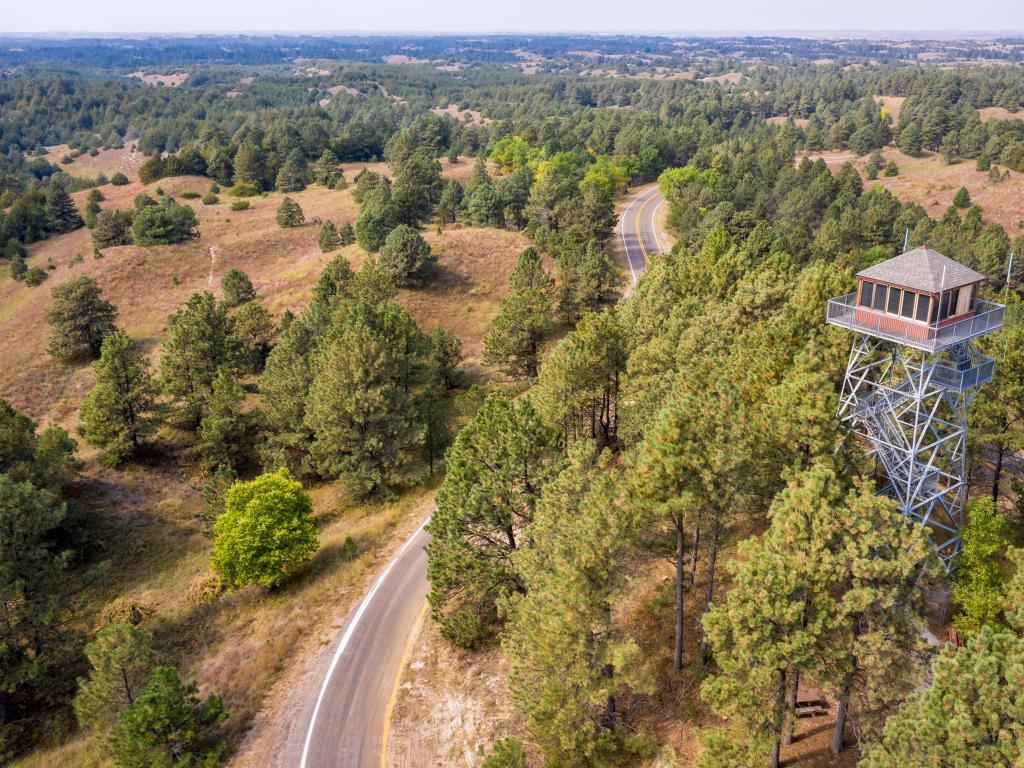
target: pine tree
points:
(970, 715)
(284, 387)
(346, 235)
(775, 622)
(578, 388)
(118, 413)
(588, 277)
(168, 726)
(92, 207)
(434, 412)
(122, 661)
(220, 439)
(450, 202)
(326, 169)
(912, 139)
(446, 349)
(699, 471)
(61, 213)
(249, 165)
(979, 585)
(292, 175)
(361, 412)
(32, 580)
(80, 319)
(883, 568)
(524, 318)
(406, 256)
(237, 288)
(997, 414)
(376, 219)
(289, 214)
(571, 658)
(112, 228)
(496, 470)
(201, 341)
(328, 238)
(17, 268)
(46, 460)
(417, 187)
(254, 328)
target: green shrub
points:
(118, 179)
(239, 205)
(210, 199)
(244, 189)
(17, 267)
(186, 195)
(35, 276)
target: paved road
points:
(639, 231)
(344, 725)
(344, 722)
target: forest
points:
(643, 503)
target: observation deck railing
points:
(844, 312)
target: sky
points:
(658, 16)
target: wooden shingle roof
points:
(922, 269)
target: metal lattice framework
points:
(911, 405)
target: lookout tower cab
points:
(912, 373)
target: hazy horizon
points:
(874, 18)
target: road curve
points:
(638, 230)
(344, 722)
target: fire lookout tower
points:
(913, 371)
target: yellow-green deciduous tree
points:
(265, 533)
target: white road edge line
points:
(349, 631)
(654, 226)
(625, 248)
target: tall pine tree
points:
(119, 411)
(496, 469)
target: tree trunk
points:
(844, 705)
(997, 473)
(610, 714)
(709, 591)
(677, 655)
(780, 705)
(792, 688)
(696, 550)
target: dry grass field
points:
(107, 161)
(893, 105)
(931, 182)
(155, 79)
(147, 517)
(999, 113)
(462, 115)
(800, 122)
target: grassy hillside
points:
(146, 518)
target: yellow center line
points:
(398, 679)
(639, 235)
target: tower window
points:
(908, 304)
(865, 294)
(879, 302)
(924, 303)
(894, 301)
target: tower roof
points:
(922, 269)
